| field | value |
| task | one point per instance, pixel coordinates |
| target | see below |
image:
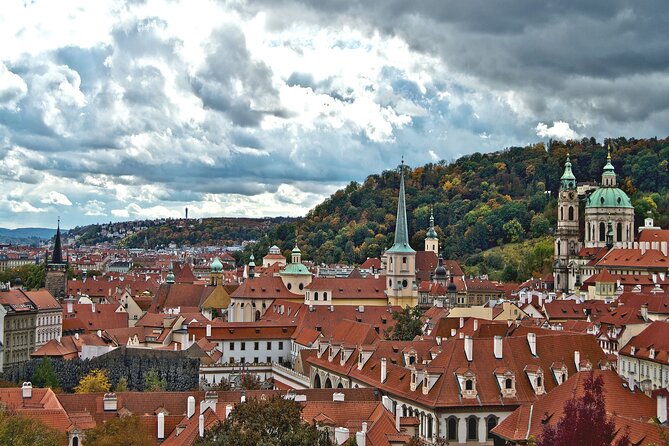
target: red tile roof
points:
(655, 337)
(350, 288)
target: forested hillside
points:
(480, 201)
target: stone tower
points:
(401, 288)
(567, 242)
(56, 270)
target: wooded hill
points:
(480, 201)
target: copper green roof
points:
(252, 260)
(401, 230)
(431, 233)
(568, 180)
(608, 168)
(296, 269)
(170, 275)
(608, 197)
(216, 265)
(296, 250)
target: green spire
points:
(568, 180)
(170, 275)
(401, 228)
(431, 233)
(252, 261)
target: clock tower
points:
(567, 242)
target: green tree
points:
(45, 375)
(23, 431)
(120, 431)
(273, 422)
(153, 382)
(514, 231)
(122, 385)
(407, 326)
(95, 381)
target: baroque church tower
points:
(401, 288)
(567, 242)
(431, 238)
(56, 270)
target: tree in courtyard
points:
(122, 385)
(153, 383)
(120, 431)
(23, 431)
(584, 422)
(45, 375)
(407, 324)
(273, 422)
(96, 381)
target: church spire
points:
(57, 257)
(568, 180)
(431, 233)
(401, 228)
(609, 174)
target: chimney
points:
(661, 408)
(577, 360)
(208, 330)
(644, 312)
(453, 332)
(663, 248)
(476, 324)
(438, 339)
(364, 427)
(462, 335)
(532, 341)
(70, 307)
(338, 397)
(93, 307)
(361, 436)
(228, 410)
(190, 406)
(498, 347)
(387, 403)
(509, 322)
(630, 382)
(200, 425)
(161, 426)
(469, 348)
(27, 390)
(341, 435)
(384, 369)
(76, 336)
(110, 402)
(462, 322)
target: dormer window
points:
(508, 384)
(469, 384)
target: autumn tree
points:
(96, 381)
(273, 422)
(407, 326)
(23, 431)
(120, 431)
(584, 422)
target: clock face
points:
(571, 195)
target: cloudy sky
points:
(138, 109)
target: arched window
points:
(508, 383)
(539, 381)
(75, 441)
(469, 384)
(561, 213)
(340, 386)
(559, 244)
(571, 212)
(316, 295)
(452, 429)
(257, 315)
(328, 384)
(472, 428)
(602, 232)
(325, 296)
(390, 282)
(317, 381)
(619, 232)
(491, 422)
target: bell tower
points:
(401, 288)
(431, 238)
(567, 243)
(55, 280)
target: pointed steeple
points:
(57, 257)
(431, 233)
(609, 174)
(401, 228)
(568, 180)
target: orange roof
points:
(654, 337)
(263, 288)
(350, 288)
(43, 300)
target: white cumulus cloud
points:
(559, 130)
(56, 198)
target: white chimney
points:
(364, 427)
(476, 324)
(532, 341)
(109, 402)
(577, 360)
(338, 396)
(200, 425)
(662, 408)
(453, 332)
(93, 307)
(498, 347)
(70, 307)
(228, 410)
(644, 312)
(387, 403)
(469, 348)
(384, 369)
(208, 330)
(630, 382)
(438, 339)
(161, 426)
(360, 438)
(27, 390)
(663, 248)
(190, 406)
(462, 335)
(341, 435)
(462, 322)
(76, 336)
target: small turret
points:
(252, 267)
(609, 174)
(568, 180)
(170, 274)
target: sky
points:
(113, 111)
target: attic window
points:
(469, 384)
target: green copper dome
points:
(608, 197)
(296, 269)
(216, 265)
(568, 180)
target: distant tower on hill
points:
(56, 269)
(186, 213)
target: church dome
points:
(608, 197)
(216, 265)
(440, 272)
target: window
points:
(243, 345)
(280, 345)
(242, 360)
(289, 286)
(390, 282)
(404, 283)
(491, 422)
(539, 381)
(325, 295)
(472, 428)
(255, 360)
(571, 212)
(452, 428)
(301, 286)
(404, 260)
(256, 345)
(232, 346)
(269, 345)
(508, 383)
(602, 232)
(269, 359)
(316, 295)
(469, 384)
